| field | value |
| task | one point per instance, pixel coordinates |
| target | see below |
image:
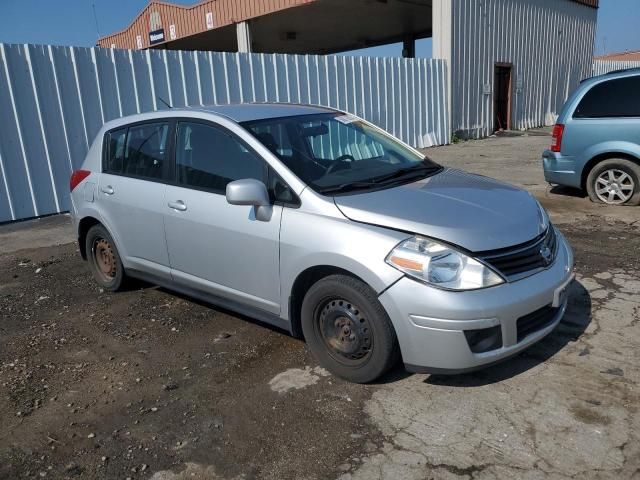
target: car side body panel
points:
(319, 235)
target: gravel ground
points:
(150, 384)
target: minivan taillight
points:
(556, 138)
(76, 177)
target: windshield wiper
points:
(405, 172)
(345, 187)
(383, 180)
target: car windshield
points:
(338, 153)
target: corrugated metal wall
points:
(600, 67)
(549, 43)
(53, 101)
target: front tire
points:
(104, 259)
(615, 181)
(347, 329)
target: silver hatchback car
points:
(322, 224)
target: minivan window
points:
(335, 153)
(619, 97)
(209, 157)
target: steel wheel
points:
(105, 259)
(614, 186)
(345, 330)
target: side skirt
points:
(248, 311)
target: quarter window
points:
(614, 98)
(208, 158)
(115, 147)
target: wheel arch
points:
(591, 164)
(83, 228)
(301, 285)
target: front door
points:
(214, 246)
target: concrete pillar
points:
(243, 32)
(409, 47)
(442, 27)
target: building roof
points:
(621, 57)
(189, 20)
(277, 26)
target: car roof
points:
(245, 112)
(623, 73)
(240, 112)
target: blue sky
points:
(71, 22)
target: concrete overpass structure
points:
(277, 26)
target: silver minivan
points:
(320, 223)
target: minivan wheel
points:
(347, 329)
(104, 260)
(615, 182)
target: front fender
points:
(311, 240)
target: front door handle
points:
(178, 205)
(108, 189)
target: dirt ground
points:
(150, 384)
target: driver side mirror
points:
(253, 192)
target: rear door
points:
(131, 193)
(214, 246)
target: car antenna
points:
(162, 100)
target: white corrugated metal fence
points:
(53, 101)
(600, 67)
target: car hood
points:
(471, 211)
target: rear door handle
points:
(108, 189)
(178, 205)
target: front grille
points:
(525, 259)
(535, 321)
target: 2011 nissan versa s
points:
(320, 223)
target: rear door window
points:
(619, 97)
(114, 158)
(146, 150)
(139, 151)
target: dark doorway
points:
(502, 97)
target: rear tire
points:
(615, 181)
(104, 259)
(347, 329)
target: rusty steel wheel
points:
(105, 259)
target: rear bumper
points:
(561, 170)
(431, 323)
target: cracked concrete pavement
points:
(572, 416)
(172, 389)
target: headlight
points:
(441, 266)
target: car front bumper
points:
(430, 323)
(560, 170)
